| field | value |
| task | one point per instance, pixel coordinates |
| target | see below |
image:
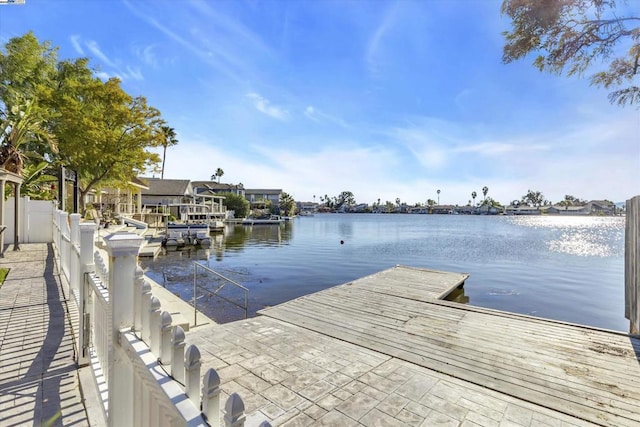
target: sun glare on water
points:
(580, 236)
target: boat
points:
(198, 213)
(179, 234)
(271, 220)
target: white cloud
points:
(77, 45)
(113, 69)
(318, 116)
(264, 106)
(95, 50)
(147, 55)
(372, 54)
(499, 148)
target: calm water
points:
(565, 268)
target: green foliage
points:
(39, 181)
(4, 272)
(236, 203)
(103, 134)
(533, 198)
(168, 139)
(344, 200)
(572, 35)
(23, 136)
(491, 203)
(570, 200)
(287, 205)
(26, 67)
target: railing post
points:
(154, 326)
(234, 411)
(192, 374)
(86, 266)
(177, 358)
(165, 338)
(137, 302)
(211, 397)
(146, 310)
(123, 251)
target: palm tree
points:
(473, 196)
(168, 139)
(20, 127)
(485, 190)
(438, 197)
(38, 182)
(219, 173)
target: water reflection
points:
(569, 269)
(581, 236)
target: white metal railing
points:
(217, 290)
(141, 369)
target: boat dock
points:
(386, 349)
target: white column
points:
(129, 202)
(2, 218)
(116, 208)
(87, 232)
(139, 200)
(16, 218)
(123, 258)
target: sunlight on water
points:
(564, 268)
(581, 236)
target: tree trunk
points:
(164, 154)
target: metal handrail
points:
(196, 287)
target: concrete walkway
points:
(39, 382)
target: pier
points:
(386, 347)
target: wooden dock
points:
(583, 372)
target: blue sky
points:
(387, 99)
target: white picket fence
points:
(145, 373)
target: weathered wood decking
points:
(584, 372)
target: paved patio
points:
(292, 376)
(39, 382)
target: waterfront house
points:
(260, 198)
(523, 210)
(167, 191)
(489, 210)
(601, 207)
(125, 200)
(443, 209)
(213, 187)
(309, 207)
(568, 210)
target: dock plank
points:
(583, 372)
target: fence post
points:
(234, 411)
(211, 397)
(137, 302)
(87, 232)
(192, 374)
(123, 251)
(154, 311)
(156, 328)
(165, 338)
(177, 359)
(146, 310)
